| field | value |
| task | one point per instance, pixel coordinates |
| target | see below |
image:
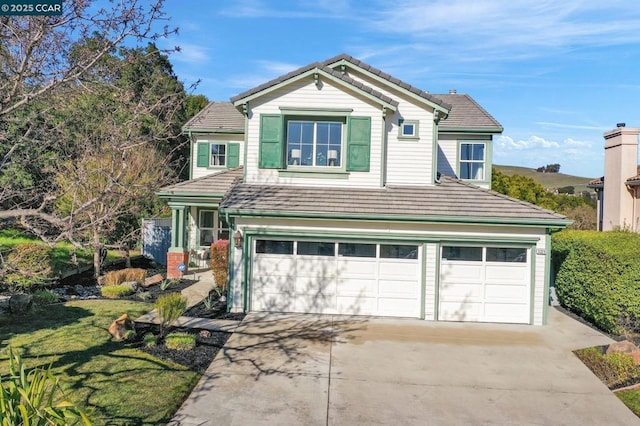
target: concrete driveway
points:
(318, 370)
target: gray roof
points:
(465, 114)
(212, 185)
(373, 70)
(216, 117)
(316, 65)
(450, 200)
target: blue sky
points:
(556, 74)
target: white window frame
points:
(291, 163)
(462, 163)
(214, 229)
(401, 126)
(212, 162)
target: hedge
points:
(598, 276)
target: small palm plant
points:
(170, 307)
(31, 398)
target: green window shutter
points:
(203, 155)
(271, 142)
(358, 144)
(233, 154)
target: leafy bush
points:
(170, 307)
(28, 265)
(149, 339)
(220, 263)
(598, 277)
(116, 291)
(45, 297)
(180, 341)
(32, 398)
(615, 369)
(125, 275)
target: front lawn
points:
(115, 383)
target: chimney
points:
(620, 163)
(452, 91)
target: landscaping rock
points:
(4, 302)
(624, 346)
(153, 280)
(119, 328)
(20, 303)
(131, 284)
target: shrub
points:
(29, 264)
(149, 339)
(116, 291)
(170, 307)
(45, 297)
(125, 275)
(220, 263)
(180, 341)
(615, 369)
(598, 277)
(33, 398)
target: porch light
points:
(237, 239)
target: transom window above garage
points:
(314, 143)
(344, 249)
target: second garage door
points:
(485, 284)
(343, 277)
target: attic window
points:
(408, 129)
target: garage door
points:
(336, 277)
(486, 284)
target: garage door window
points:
(274, 247)
(497, 254)
(356, 250)
(398, 251)
(462, 253)
(316, 248)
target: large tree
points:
(44, 61)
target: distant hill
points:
(548, 180)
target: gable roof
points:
(213, 185)
(343, 57)
(217, 117)
(319, 68)
(466, 115)
(450, 201)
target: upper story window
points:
(218, 154)
(314, 143)
(408, 129)
(472, 161)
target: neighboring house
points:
(618, 191)
(360, 194)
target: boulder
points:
(131, 284)
(20, 303)
(119, 328)
(153, 280)
(624, 346)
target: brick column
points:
(174, 259)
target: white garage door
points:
(486, 284)
(336, 278)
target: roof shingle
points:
(217, 116)
(466, 113)
(216, 184)
(452, 199)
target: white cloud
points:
(325, 9)
(573, 126)
(192, 53)
(534, 142)
(276, 68)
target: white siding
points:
(430, 280)
(196, 171)
(448, 155)
(539, 279)
(305, 94)
(409, 161)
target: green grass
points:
(62, 252)
(631, 399)
(113, 382)
(548, 180)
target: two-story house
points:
(349, 191)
